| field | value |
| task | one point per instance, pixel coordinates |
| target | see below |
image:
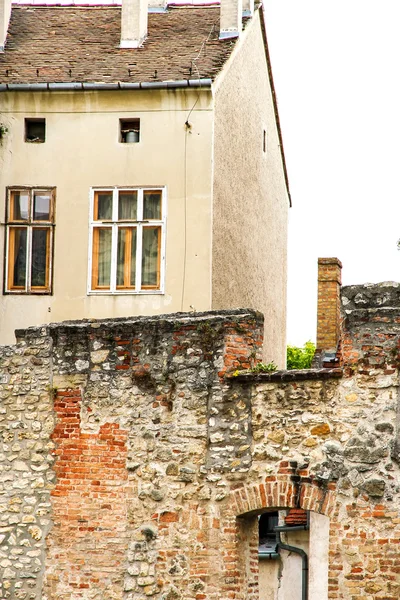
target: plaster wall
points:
(250, 206)
(82, 150)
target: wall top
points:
(371, 295)
(165, 322)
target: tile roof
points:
(296, 516)
(81, 44)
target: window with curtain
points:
(29, 240)
(127, 237)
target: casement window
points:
(29, 240)
(127, 232)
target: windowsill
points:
(125, 293)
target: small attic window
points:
(129, 131)
(35, 131)
(264, 140)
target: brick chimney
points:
(328, 314)
(230, 18)
(5, 13)
(133, 23)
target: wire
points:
(187, 131)
(194, 64)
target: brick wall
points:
(134, 463)
(328, 307)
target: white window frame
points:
(114, 224)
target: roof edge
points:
(275, 101)
(70, 86)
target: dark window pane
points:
(18, 257)
(150, 257)
(40, 250)
(127, 206)
(152, 205)
(41, 206)
(19, 206)
(104, 206)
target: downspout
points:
(299, 551)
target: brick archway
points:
(290, 488)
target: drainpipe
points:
(299, 551)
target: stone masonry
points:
(135, 456)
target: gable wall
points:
(250, 207)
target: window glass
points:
(103, 204)
(19, 206)
(127, 206)
(126, 257)
(152, 205)
(41, 206)
(103, 257)
(17, 255)
(150, 255)
(40, 249)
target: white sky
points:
(336, 71)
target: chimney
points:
(133, 23)
(328, 315)
(230, 18)
(5, 13)
(248, 8)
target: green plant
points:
(3, 130)
(258, 368)
(264, 368)
(300, 358)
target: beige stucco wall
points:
(82, 150)
(250, 199)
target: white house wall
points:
(82, 150)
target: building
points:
(141, 165)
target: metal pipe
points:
(304, 557)
(73, 86)
(291, 528)
(268, 555)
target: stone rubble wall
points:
(146, 459)
(26, 465)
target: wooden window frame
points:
(30, 225)
(116, 224)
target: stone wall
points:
(135, 460)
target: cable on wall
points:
(188, 127)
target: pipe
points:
(121, 85)
(268, 555)
(304, 557)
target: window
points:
(35, 131)
(29, 240)
(129, 131)
(267, 534)
(264, 140)
(127, 240)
